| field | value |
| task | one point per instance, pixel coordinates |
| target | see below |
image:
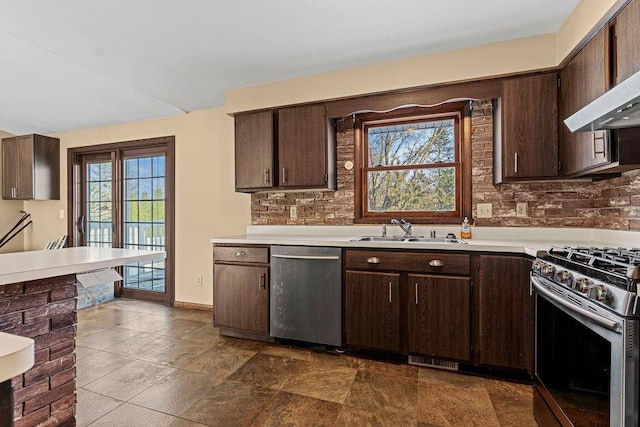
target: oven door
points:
(586, 359)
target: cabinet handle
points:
(14, 193)
(436, 263)
(267, 176)
(262, 284)
(599, 138)
(373, 260)
(416, 293)
(240, 253)
(515, 162)
(284, 175)
(389, 291)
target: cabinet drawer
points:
(414, 262)
(241, 254)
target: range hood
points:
(617, 108)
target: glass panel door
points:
(98, 213)
(144, 219)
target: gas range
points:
(608, 277)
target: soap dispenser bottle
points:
(466, 229)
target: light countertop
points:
(32, 265)
(16, 355)
(485, 239)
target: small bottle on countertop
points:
(466, 229)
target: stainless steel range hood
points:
(617, 108)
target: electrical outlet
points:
(485, 210)
(198, 280)
(61, 214)
(293, 212)
(521, 209)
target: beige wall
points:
(513, 56)
(206, 204)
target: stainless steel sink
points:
(434, 240)
(379, 239)
(410, 239)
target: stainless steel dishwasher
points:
(306, 294)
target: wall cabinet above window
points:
(287, 149)
(31, 168)
(526, 129)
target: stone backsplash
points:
(609, 204)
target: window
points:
(413, 163)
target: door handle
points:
(284, 175)
(267, 176)
(389, 291)
(515, 163)
(262, 284)
(81, 225)
(416, 293)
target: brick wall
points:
(45, 311)
(609, 204)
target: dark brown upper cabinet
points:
(291, 148)
(31, 168)
(254, 137)
(581, 81)
(626, 37)
(526, 129)
(306, 148)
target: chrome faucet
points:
(405, 225)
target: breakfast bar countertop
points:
(33, 265)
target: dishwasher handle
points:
(308, 257)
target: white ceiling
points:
(72, 64)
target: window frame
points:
(460, 112)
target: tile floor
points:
(144, 364)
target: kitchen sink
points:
(379, 239)
(408, 239)
(434, 240)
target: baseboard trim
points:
(193, 305)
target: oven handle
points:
(596, 318)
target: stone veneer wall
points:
(45, 311)
(608, 204)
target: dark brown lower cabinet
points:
(241, 297)
(505, 312)
(439, 316)
(372, 310)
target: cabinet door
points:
(302, 146)
(530, 127)
(627, 37)
(254, 151)
(440, 316)
(372, 310)
(26, 175)
(241, 297)
(505, 311)
(9, 167)
(18, 164)
(581, 81)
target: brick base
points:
(45, 311)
